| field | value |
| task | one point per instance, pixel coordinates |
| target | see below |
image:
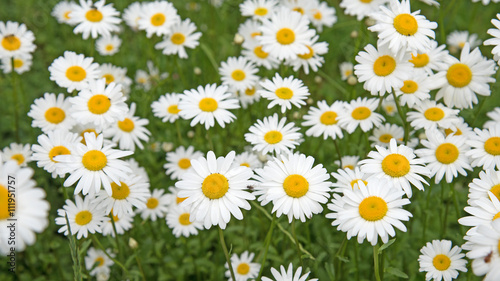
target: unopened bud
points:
(132, 243)
(190, 134)
(354, 34)
(296, 115)
(369, 22)
(238, 39)
(310, 101)
(197, 70)
(352, 80)
(167, 146)
(318, 79)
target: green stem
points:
(16, 102)
(424, 228)
(226, 253)
(266, 247)
(138, 260)
(296, 243)
(178, 128)
(376, 263)
(116, 234)
(338, 151)
(403, 119)
(338, 261)
(445, 219)
(455, 202)
(99, 245)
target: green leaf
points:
(396, 272)
(386, 245)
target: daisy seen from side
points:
(20, 153)
(488, 181)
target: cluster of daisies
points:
(16, 47)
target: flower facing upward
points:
(130, 131)
(101, 261)
(167, 107)
(288, 275)
(324, 120)
(73, 71)
(382, 135)
(440, 261)
(178, 218)
(83, 217)
(156, 205)
(108, 45)
(361, 8)
(312, 59)
(485, 147)
(238, 73)
(157, 18)
(431, 115)
(243, 266)
(182, 36)
(62, 11)
(360, 112)
(51, 112)
(95, 19)
(258, 9)
(20, 63)
(284, 92)
(15, 39)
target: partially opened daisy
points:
(294, 186)
(440, 261)
(485, 147)
(51, 112)
(208, 104)
(167, 107)
(156, 205)
(273, 135)
(247, 159)
(360, 112)
(284, 92)
(488, 181)
(73, 71)
(108, 45)
(157, 18)
(62, 11)
(238, 73)
(383, 134)
(84, 217)
(430, 115)
(430, 60)
(348, 178)
(93, 165)
(398, 165)
(456, 40)
(179, 161)
(182, 36)
(258, 9)
(244, 268)
(21, 153)
(312, 59)
(95, 19)
(361, 8)
(132, 14)
(288, 274)
(324, 120)
(15, 39)
(371, 211)
(215, 189)
(178, 219)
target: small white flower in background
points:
(130, 131)
(360, 113)
(238, 73)
(288, 274)
(182, 36)
(347, 179)
(156, 205)
(179, 161)
(456, 40)
(249, 96)
(97, 262)
(430, 60)
(440, 261)
(383, 134)
(94, 19)
(361, 8)
(117, 75)
(62, 11)
(346, 70)
(311, 59)
(21, 63)
(122, 224)
(429, 115)
(20, 153)
(132, 14)
(347, 162)
(258, 9)
(250, 29)
(178, 219)
(243, 267)
(167, 107)
(415, 89)
(108, 45)
(320, 14)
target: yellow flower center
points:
(18, 157)
(447, 153)
(184, 219)
(395, 165)
(66, 15)
(459, 75)
(256, 33)
(260, 11)
(328, 118)
(173, 109)
(158, 19)
(99, 261)
(298, 9)
(208, 104)
(492, 146)
(409, 87)
(243, 268)
(361, 113)
(55, 115)
(317, 15)
(461, 44)
(99, 104)
(285, 36)
(184, 163)
(109, 47)
(83, 217)
(109, 78)
(152, 203)
(4, 200)
(127, 125)
(93, 15)
(420, 60)
(250, 91)
(355, 181)
(238, 75)
(385, 138)
(121, 191)
(215, 186)
(179, 200)
(273, 137)
(94, 160)
(496, 216)
(87, 131)
(178, 38)
(284, 93)
(58, 150)
(448, 131)
(366, 1)
(307, 56)
(441, 262)
(11, 43)
(384, 65)
(259, 53)
(348, 167)
(245, 164)
(295, 186)
(76, 73)
(18, 63)
(434, 114)
(406, 24)
(496, 190)
(372, 208)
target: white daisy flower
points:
(21, 63)
(444, 156)
(179, 220)
(485, 148)
(250, 29)
(320, 14)
(116, 74)
(179, 161)
(288, 274)
(238, 73)
(182, 36)
(167, 107)
(243, 266)
(347, 162)
(361, 8)
(371, 211)
(132, 14)
(389, 105)
(21, 153)
(88, 128)
(494, 115)
(93, 165)
(440, 261)
(249, 96)
(207, 105)
(84, 217)
(432, 59)
(15, 39)
(97, 261)
(95, 19)
(108, 45)
(484, 211)
(346, 70)
(431, 2)
(488, 181)
(62, 11)
(431, 115)
(73, 71)
(156, 205)
(459, 128)
(284, 92)
(51, 112)
(173, 197)
(348, 178)
(99, 104)
(273, 135)
(324, 120)
(486, 2)
(415, 89)
(215, 190)
(122, 224)
(247, 159)
(294, 186)
(254, 53)
(157, 18)
(383, 134)
(360, 112)
(495, 41)
(485, 252)
(300, 6)
(130, 131)
(311, 59)
(456, 40)
(258, 9)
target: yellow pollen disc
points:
(361, 113)
(94, 160)
(254, 34)
(420, 60)
(215, 186)
(492, 146)
(395, 165)
(109, 78)
(184, 219)
(285, 36)
(208, 104)
(434, 114)
(450, 131)
(4, 200)
(447, 153)
(18, 63)
(179, 200)
(158, 19)
(273, 137)
(245, 164)
(372, 208)
(461, 45)
(348, 167)
(152, 203)
(355, 181)
(384, 65)
(109, 47)
(11, 43)
(18, 157)
(298, 9)
(99, 261)
(178, 38)
(173, 109)
(317, 15)
(284, 93)
(58, 150)
(385, 138)
(87, 131)
(307, 56)
(441, 262)
(366, 1)
(260, 11)
(348, 72)
(76, 73)
(83, 217)
(66, 15)
(259, 53)
(328, 118)
(127, 125)
(55, 115)
(406, 24)
(459, 75)
(238, 75)
(93, 15)
(409, 87)
(496, 216)
(184, 163)
(295, 186)
(250, 91)
(99, 104)
(115, 218)
(243, 268)
(121, 191)
(496, 190)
